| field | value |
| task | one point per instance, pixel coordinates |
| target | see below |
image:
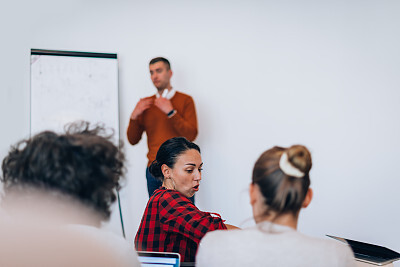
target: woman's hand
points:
(231, 227)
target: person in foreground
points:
(58, 189)
(171, 222)
(279, 189)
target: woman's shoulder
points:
(224, 236)
(327, 247)
(310, 250)
(172, 197)
(171, 194)
(163, 193)
(216, 246)
(296, 238)
(322, 242)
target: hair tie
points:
(288, 168)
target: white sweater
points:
(268, 244)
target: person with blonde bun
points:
(280, 188)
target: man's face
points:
(160, 75)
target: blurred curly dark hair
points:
(83, 163)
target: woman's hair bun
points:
(155, 170)
(300, 157)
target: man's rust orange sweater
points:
(159, 128)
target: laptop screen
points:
(158, 259)
(369, 252)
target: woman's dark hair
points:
(168, 154)
(81, 164)
(284, 193)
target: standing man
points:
(166, 114)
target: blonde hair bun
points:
(300, 158)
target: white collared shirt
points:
(167, 94)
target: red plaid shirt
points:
(171, 223)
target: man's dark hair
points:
(158, 59)
(82, 163)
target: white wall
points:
(262, 73)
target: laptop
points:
(159, 259)
(370, 253)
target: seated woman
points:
(171, 222)
(279, 189)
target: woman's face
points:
(186, 173)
